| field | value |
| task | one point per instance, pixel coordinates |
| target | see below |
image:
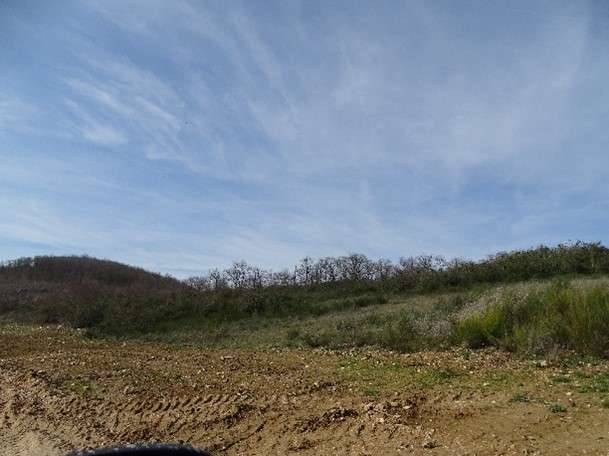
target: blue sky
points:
(182, 135)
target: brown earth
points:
(60, 392)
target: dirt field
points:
(60, 392)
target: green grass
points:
(376, 377)
(557, 408)
(510, 318)
(534, 318)
(520, 397)
(593, 383)
(118, 301)
(82, 387)
(561, 379)
(372, 391)
(560, 316)
(434, 377)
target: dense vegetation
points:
(69, 270)
(560, 316)
(81, 291)
(114, 299)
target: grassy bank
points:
(560, 316)
(532, 318)
(533, 301)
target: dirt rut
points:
(60, 392)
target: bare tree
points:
(237, 274)
(383, 269)
(304, 271)
(283, 278)
(199, 283)
(356, 266)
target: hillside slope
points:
(49, 289)
(71, 270)
(420, 303)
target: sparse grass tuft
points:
(83, 387)
(433, 377)
(372, 391)
(557, 408)
(593, 383)
(520, 397)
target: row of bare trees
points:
(355, 267)
(424, 272)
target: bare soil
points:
(60, 392)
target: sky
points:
(184, 135)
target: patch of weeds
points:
(561, 379)
(594, 383)
(372, 391)
(83, 387)
(605, 403)
(324, 339)
(376, 320)
(381, 375)
(500, 379)
(294, 338)
(581, 375)
(520, 397)
(575, 360)
(401, 335)
(466, 354)
(557, 407)
(293, 334)
(447, 305)
(435, 377)
(560, 316)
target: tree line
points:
(423, 272)
(117, 299)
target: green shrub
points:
(401, 334)
(481, 330)
(557, 408)
(450, 305)
(519, 397)
(559, 317)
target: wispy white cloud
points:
(311, 129)
(15, 113)
(103, 135)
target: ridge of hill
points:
(76, 270)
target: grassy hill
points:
(534, 301)
(536, 317)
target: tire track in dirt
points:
(55, 399)
(218, 422)
(30, 404)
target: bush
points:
(557, 408)
(400, 335)
(559, 317)
(450, 305)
